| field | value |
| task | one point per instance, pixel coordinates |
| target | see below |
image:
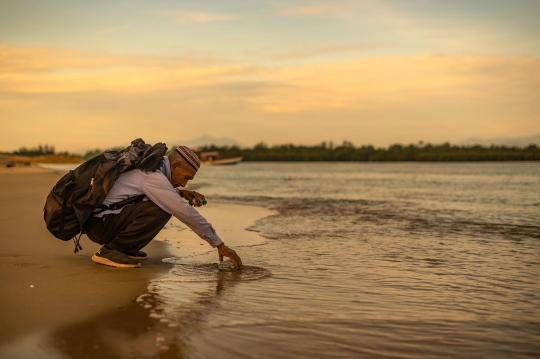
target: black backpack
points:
(77, 194)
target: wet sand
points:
(50, 295)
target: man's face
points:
(181, 173)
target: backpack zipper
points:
(92, 180)
(91, 185)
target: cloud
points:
(304, 11)
(389, 81)
(310, 51)
(48, 70)
(113, 30)
(387, 98)
(359, 83)
(124, 80)
(337, 8)
(14, 59)
(453, 95)
(186, 17)
(29, 59)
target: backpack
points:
(78, 194)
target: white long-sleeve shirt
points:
(156, 187)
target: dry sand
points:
(47, 290)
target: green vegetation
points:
(92, 153)
(348, 152)
(36, 151)
(40, 154)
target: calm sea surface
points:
(366, 260)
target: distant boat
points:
(212, 158)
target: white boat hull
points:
(225, 161)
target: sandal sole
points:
(107, 262)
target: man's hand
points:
(195, 199)
(225, 251)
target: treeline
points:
(40, 150)
(348, 152)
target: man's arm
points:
(160, 191)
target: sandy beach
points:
(54, 301)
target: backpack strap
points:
(65, 194)
(120, 204)
(77, 244)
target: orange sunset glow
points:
(376, 73)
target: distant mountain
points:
(207, 140)
(506, 141)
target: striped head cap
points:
(190, 157)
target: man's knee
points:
(144, 218)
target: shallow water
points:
(392, 260)
(212, 272)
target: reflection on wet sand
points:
(153, 326)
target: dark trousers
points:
(131, 229)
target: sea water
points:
(365, 260)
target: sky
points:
(97, 74)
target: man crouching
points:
(125, 231)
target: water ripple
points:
(209, 272)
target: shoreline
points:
(46, 288)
